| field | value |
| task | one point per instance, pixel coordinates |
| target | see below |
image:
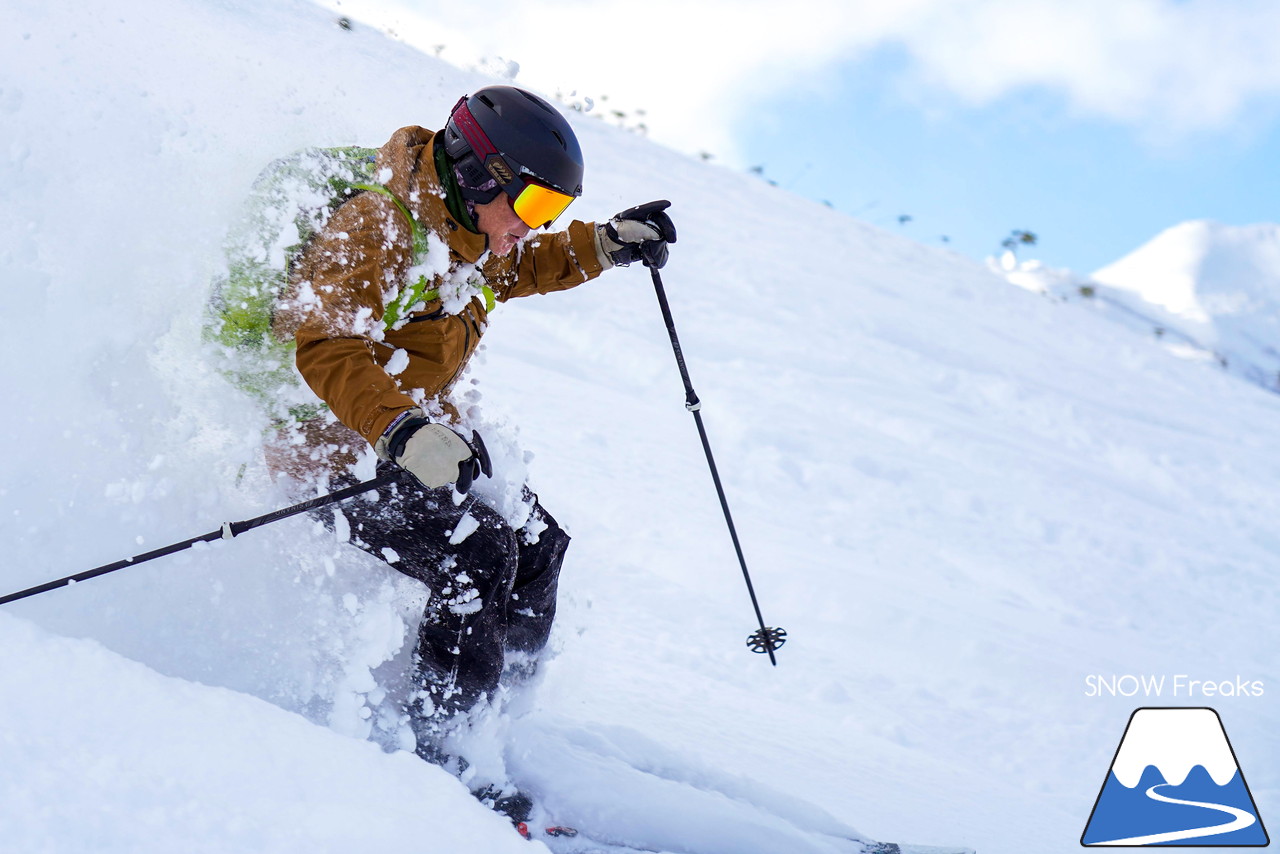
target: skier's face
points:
(497, 221)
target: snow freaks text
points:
(1180, 686)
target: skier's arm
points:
(549, 262)
(340, 307)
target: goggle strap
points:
(472, 132)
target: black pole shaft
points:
(694, 405)
(226, 532)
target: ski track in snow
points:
(1240, 819)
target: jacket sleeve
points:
(339, 307)
(550, 262)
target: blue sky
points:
(1095, 124)
(1090, 188)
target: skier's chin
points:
(506, 243)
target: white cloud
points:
(692, 66)
(1152, 64)
(696, 66)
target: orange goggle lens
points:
(538, 205)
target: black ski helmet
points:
(522, 137)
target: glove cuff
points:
(391, 443)
(604, 246)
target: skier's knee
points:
(486, 550)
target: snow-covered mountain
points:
(1218, 285)
(961, 499)
(1208, 292)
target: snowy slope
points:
(103, 754)
(959, 499)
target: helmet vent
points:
(539, 102)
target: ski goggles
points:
(537, 204)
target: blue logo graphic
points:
(1174, 782)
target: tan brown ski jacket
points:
(361, 260)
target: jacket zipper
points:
(435, 315)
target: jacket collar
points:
(415, 181)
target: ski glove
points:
(434, 454)
(637, 234)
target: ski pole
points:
(226, 532)
(769, 638)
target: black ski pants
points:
(492, 590)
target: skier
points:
(506, 164)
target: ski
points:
(895, 848)
(568, 840)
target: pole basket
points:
(766, 640)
